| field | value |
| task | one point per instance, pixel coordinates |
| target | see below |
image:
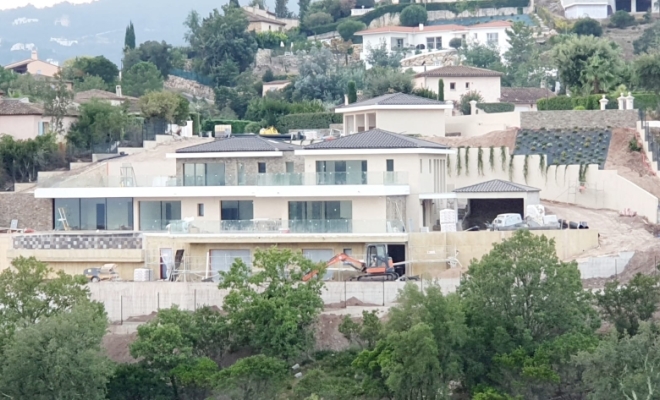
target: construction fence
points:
(127, 301)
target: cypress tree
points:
(129, 38)
(441, 90)
(352, 92)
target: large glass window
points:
(352, 172)
(156, 215)
(235, 210)
(320, 216)
(199, 174)
(94, 214)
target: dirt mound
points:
(351, 302)
(496, 139)
(631, 165)
(117, 346)
(328, 336)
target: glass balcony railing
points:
(284, 179)
(286, 226)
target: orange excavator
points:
(379, 266)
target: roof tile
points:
(396, 99)
(457, 71)
(375, 139)
(496, 185)
(240, 143)
(18, 107)
(527, 95)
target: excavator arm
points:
(341, 257)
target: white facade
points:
(455, 87)
(433, 38)
(576, 9)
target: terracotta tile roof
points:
(434, 28)
(496, 185)
(458, 70)
(18, 107)
(523, 95)
(375, 139)
(88, 95)
(252, 17)
(240, 143)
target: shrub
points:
(621, 19)
(464, 104)
(587, 26)
(492, 108)
(268, 76)
(579, 108)
(441, 90)
(456, 43)
(237, 126)
(308, 121)
(348, 28)
(413, 15)
(569, 103)
(253, 127)
(633, 145)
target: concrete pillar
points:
(473, 107)
(622, 100)
(630, 102)
(633, 6)
(603, 103)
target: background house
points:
(24, 120)
(260, 19)
(524, 98)
(432, 38)
(115, 99)
(34, 66)
(461, 79)
(397, 112)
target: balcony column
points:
(633, 6)
(355, 123)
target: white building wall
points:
(595, 11)
(489, 87)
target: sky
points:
(7, 4)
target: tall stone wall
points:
(569, 119)
(188, 86)
(31, 213)
(393, 19)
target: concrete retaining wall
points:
(569, 119)
(604, 267)
(124, 300)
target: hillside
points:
(65, 30)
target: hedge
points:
(308, 121)
(397, 8)
(492, 108)
(644, 101)
(236, 125)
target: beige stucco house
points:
(397, 112)
(525, 99)
(24, 120)
(34, 66)
(461, 79)
(264, 20)
(115, 99)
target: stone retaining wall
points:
(191, 87)
(31, 213)
(569, 119)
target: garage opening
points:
(482, 212)
(398, 254)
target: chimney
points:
(34, 55)
(345, 99)
(118, 91)
(421, 27)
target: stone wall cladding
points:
(280, 65)
(570, 119)
(81, 241)
(31, 213)
(393, 19)
(274, 165)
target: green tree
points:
(99, 122)
(90, 82)
(23, 159)
(626, 306)
(303, 5)
(441, 90)
(323, 384)
(314, 20)
(587, 26)
(464, 102)
(413, 15)
(142, 78)
(527, 314)
(381, 81)
(169, 106)
(382, 57)
(481, 56)
(318, 77)
(236, 99)
(136, 381)
(587, 64)
(277, 320)
(268, 76)
(456, 43)
(96, 66)
(58, 357)
(281, 10)
(649, 41)
(6, 78)
(364, 334)
(351, 92)
(523, 65)
(625, 368)
(257, 377)
(129, 37)
(30, 292)
(621, 19)
(58, 100)
(348, 28)
(157, 53)
(233, 48)
(647, 70)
